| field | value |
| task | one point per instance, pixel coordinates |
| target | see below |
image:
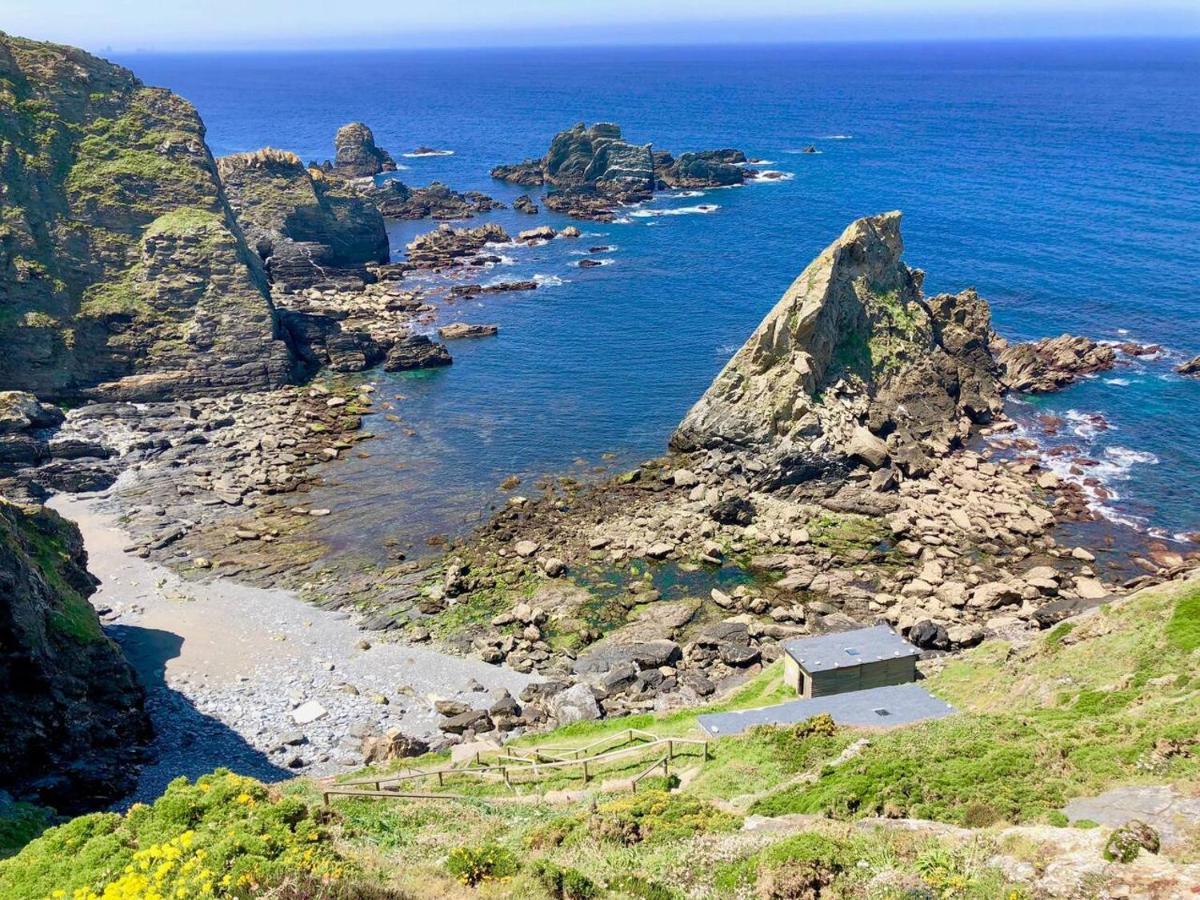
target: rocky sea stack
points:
(356, 155)
(854, 363)
(592, 169)
(125, 272)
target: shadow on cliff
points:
(187, 741)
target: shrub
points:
(1124, 844)
(1058, 819)
(657, 815)
(639, 888)
(475, 865)
(564, 883)
(224, 836)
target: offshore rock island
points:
(194, 348)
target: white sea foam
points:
(836, 137)
(728, 349)
(1087, 425)
(689, 194)
(770, 176)
(549, 280)
(602, 262)
(700, 210)
(624, 220)
(1119, 382)
(415, 155)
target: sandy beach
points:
(228, 667)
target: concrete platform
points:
(884, 707)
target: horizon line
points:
(1193, 37)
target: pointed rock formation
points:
(854, 364)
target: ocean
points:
(1061, 179)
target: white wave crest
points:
(548, 280)
(700, 210)
(1119, 382)
(772, 175)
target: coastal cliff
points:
(124, 271)
(299, 226)
(72, 718)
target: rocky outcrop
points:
(1191, 367)
(448, 246)
(417, 351)
(1053, 363)
(397, 200)
(594, 169)
(72, 721)
(355, 153)
(854, 363)
(124, 270)
(301, 227)
(709, 168)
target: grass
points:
(1064, 720)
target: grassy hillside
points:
(1113, 698)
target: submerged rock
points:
(397, 200)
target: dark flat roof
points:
(846, 649)
(903, 703)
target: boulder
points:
(643, 654)
(1191, 367)
(416, 351)
(575, 704)
(458, 330)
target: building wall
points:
(860, 677)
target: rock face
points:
(416, 351)
(1053, 363)
(853, 362)
(121, 259)
(356, 155)
(299, 226)
(709, 168)
(1191, 367)
(72, 718)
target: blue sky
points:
(129, 25)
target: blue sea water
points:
(1060, 179)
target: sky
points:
(179, 25)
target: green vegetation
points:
(224, 836)
(20, 823)
(1183, 630)
(71, 614)
(846, 533)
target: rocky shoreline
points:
(851, 464)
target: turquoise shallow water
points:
(1061, 180)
